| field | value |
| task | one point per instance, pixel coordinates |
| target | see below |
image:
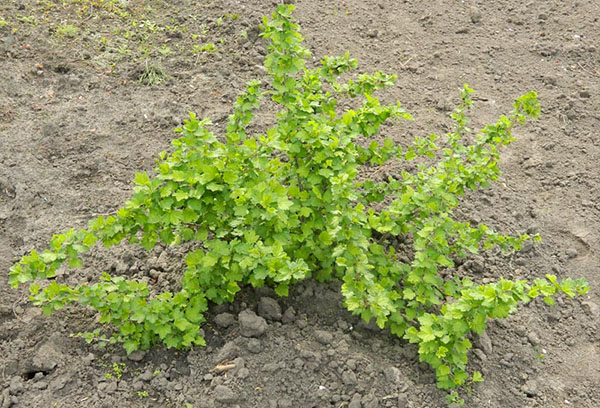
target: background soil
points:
(76, 124)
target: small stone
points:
(87, 360)
(269, 309)
(224, 320)
(527, 247)
(285, 403)
(254, 346)
(146, 376)
(289, 315)
(301, 323)
(349, 377)
(16, 385)
(402, 401)
(550, 80)
(11, 367)
(224, 394)
(584, 94)
(110, 387)
(47, 357)
(243, 373)
(591, 308)
(444, 104)
(323, 337)
(239, 363)
(475, 15)
(485, 343)
(530, 388)
(228, 352)
(270, 367)
(58, 383)
(392, 375)
(533, 338)
(480, 354)
(355, 402)
(137, 355)
(251, 325)
(370, 401)
(571, 253)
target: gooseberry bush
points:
(288, 205)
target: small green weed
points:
(117, 370)
(200, 48)
(153, 75)
(67, 30)
(28, 19)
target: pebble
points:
(16, 385)
(58, 383)
(224, 394)
(402, 401)
(254, 346)
(475, 15)
(480, 354)
(224, 320)
(269, 309)
(530, 388)
(146, 376)
(228, 352)
(591, 308)
(47, 357)
(289, 315)
(301, 323)
(323, 337)
(355, 402)
(137, 355)
(571, 253)
(111, 387)
(349, 377)
(371, 401)
(243, 373)
(285, 403)
(251, 325)
(392, 374)
(485, 343)
(533, 338)
(270, 367)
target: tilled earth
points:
(90, 91)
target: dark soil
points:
(76, 123)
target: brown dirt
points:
(76, 124)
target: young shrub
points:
(276, 208)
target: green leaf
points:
(130, 346)
(141, 179)
(477, 377)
